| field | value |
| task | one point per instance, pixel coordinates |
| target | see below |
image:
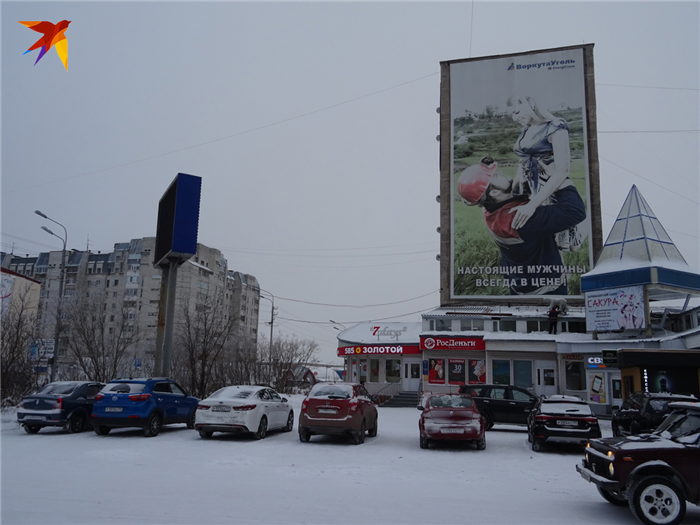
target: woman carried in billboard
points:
(543, 150)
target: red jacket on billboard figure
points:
(532, 246)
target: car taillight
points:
(304, 405)
(353, 405)
(542, 418)
(139, 397)
(99, 396)
(203, 407)
(21, 403)
(58, 403)
(245, 407)
(590, 419)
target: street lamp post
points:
(61, 280)
(272, 316)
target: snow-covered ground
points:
(178, 478)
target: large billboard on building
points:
(520, 206)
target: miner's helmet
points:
(474, 181)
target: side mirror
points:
(284, 400)
(420, 408)
(615, 408)
(374, 398)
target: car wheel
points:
(613, 497)
(615, 430)
(304, 435)
(359, 436)
(31, 429)
(262, 429)
(481, 444)
(153, 426)
(373, 431)
(205, 434)
(424, 443)
(488, 422)
(536, 446)
(655, 500)
(290, 422)
(76, 424)
(193, 417)
(102, 430)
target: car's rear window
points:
(451, 401)
(61, 388)
(123, 388)
(232, 392)
(335, 391)
(563, 408)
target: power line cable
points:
(356, 306)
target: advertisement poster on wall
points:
(615, 309)
(519, 175)
(477, 371)
(597, 388)
(436, 372)
(457, 371)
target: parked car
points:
(66, 404)
(655, 474)
(338, 408)
(644, 411)
(242, 408)
(451, 417)
(562, 419)
(148, 403)
(501, 403)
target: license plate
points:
(113, 409)
(221, 409)
(34, 418)
(327, 411)
(452, 431)
(566, 423)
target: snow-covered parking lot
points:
(178, 478)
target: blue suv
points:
(147, 403)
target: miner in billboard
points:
(530, 257)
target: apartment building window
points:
(443, 325)
(115, 294)
(131, 291)
(537, 326)
(507, 326)
(471, 324)
(116, 282)
(111, 318)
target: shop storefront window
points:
(522, 373)
(363, 370)
(443, 325)
(574, 375)
(374, 370)
(501, 371)
(393, 370)
(507, 326)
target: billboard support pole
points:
(169, 316)
(160, 330)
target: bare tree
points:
(202, 341)
(16, 340)
(285, 355)
(99, 340)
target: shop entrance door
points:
(411, 374)
(546, 379)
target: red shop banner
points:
(452, 343)
(386, 350)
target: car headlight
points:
(611, 469)
(611, 455)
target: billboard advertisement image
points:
(615, 309)
(519, 188)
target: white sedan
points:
(243, 408)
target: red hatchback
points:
(451, 417)
(338, 408)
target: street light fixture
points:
(337, 323)
(61, 282)
(272, 315)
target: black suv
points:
(66, 404)
(642, 412)
(561, 418)
(501, 403)
(655, 474)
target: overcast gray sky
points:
(313, 128)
